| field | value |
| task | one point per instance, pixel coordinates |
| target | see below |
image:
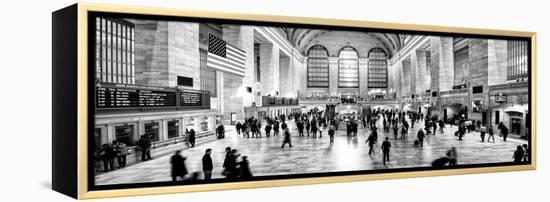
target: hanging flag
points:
(225, 57)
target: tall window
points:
(428, 62)
(348, 68)
(517, 59)
(115, 51)
(317, 67)
(257, 62)
(208, 75)
(461, 60)
(378, 68)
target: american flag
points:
(225, 57)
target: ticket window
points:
(125, 134)
(173, 129)
(152, 131)
(515, 125)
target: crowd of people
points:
(313, 124)
(232, 167)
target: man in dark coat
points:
(238, 128)
(503, 131)
(267, 129)
(276, 128)
(231, 165)
(207, 165)
(191, 137)
(371, 141)
(178, 166)
(386, 145)
(300, 126)
(420, 136)
(395, 131)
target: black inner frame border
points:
(92, 85)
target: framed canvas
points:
(157, 100)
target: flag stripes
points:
(225, 57)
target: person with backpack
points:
(331, 132)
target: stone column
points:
(442, 68)
(363, 76)
(163, 130)
(183, 52)
(422, 74)
(269, 68)
(414, 73)
(396, 75)
(243, 38)
(478, 74)
(333, 75)
(406, 87)
(285, 76)
(498, 62)
(182, 126)
(165, 50)
(151, 52)
(111, 134)
(220, 95)
(233, 93)
(211, 123)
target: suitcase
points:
(416, 142)
(440, 162)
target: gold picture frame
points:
(77, 186)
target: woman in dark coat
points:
(244, 168)
(178, 166)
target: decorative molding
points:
(415, 43)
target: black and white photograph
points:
(192, 101)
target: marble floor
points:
(310, 155)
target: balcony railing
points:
(454, 92)
(278, 101)
(521, 84)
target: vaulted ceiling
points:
(303, 38)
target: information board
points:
(121, 97)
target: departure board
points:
(190, 98)
(127, 97)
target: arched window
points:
(317, 67)
(348, 68)
(378, 68)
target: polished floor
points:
(309, 155)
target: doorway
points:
(515, 126)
